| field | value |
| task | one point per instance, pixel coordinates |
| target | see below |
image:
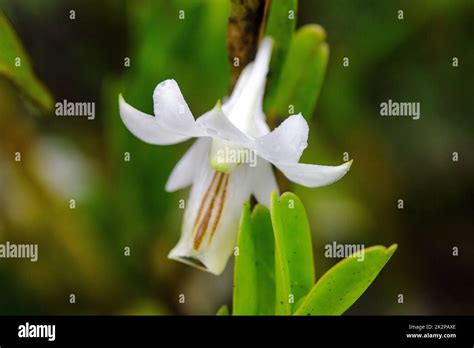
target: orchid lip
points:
(210, 209)
(192, 261)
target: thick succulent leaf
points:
(254, 274)
(281, 22)
(303, 73)
(15, 66)
(223, 311)
(344, 283)
(294, 269)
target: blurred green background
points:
(123, 204)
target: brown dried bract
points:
(246, 26)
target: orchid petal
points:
(248, 96)
(171, 108)
(183, 173)
(312, 175)
(260, 120)
(285, 143)
(146, 127)
(238, 88)
(260, 126)
(264, 182)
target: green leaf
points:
(223, 311)
(344, 283)
(281, 22)
(22, 77)
(303, 73)
(294, 269)
(254, 274)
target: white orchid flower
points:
(222, 183)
